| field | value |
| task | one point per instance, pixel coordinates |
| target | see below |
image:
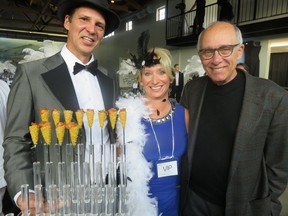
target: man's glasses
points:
(224, 51)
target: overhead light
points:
(279, 44)
(112, 1)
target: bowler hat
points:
(111, 18)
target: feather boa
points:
(138, 168)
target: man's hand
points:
(32, 204)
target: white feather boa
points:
(138, 168)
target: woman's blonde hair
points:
(164, 57)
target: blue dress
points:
(166, 189)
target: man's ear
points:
(240, 51)
(67, 22)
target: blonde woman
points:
(160, 131)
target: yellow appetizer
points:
(102, 116)
(113, 117)
(46, 132)
(34, 132)
(68, 116)
(74, 131)
(90, 117)
(60, 131)
(44, 114)
(122, 117)
(79, 116)
(56, 116)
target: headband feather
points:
(144, 57)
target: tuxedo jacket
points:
(259, 164)
(38, 84)
(180, 82)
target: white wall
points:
(125, 42)
(264, 57)
(119, 46)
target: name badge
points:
(165, 169)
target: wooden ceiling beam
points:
(25, 10)
(24, 23)
(122, 8)
(134, 4)
(44, 9)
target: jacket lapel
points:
(59, 82)
(250, 113)
(107, 88)
(194, 115)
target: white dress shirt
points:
(176, 78)
(89, 96)
(4, 91)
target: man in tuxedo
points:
(236, 159)
(56, 83)
(177, 84)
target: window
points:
(110, 35)
(160, 13)
(129, 26)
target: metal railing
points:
(258, 10)
(245, 12)
(182, 25)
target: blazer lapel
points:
(194, 115)
(250, 113)
(59, 82)
(107, 88)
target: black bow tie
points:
(92, 68)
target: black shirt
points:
(215, 139)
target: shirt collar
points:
(70, 58)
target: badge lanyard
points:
(173, 140)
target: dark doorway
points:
(278, 70)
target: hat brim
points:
(111, 18)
